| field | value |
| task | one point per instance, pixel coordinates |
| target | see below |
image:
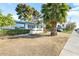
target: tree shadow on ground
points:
(28, 36)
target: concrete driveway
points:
(72, 46)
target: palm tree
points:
(26, 13)
(54, 13)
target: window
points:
(31, 26)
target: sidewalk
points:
(72, 46)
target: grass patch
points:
(67, 31)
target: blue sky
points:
(10, 8)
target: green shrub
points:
(67, 31)
(13, 32)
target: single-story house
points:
(33, 27)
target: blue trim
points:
(21, 22)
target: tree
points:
(6, 20)
(54, 13)
(70, 26)
(10, 21)
(26, 13)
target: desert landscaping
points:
(35, 29)
(40, 45)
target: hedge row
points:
(13, 32)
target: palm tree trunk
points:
(54, 29)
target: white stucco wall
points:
(26, 26)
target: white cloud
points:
(75, 9)
(74, 13)
(76, 4)
(15, 17)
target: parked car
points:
(77, 30)
(59, 28)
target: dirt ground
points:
(35, 46)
